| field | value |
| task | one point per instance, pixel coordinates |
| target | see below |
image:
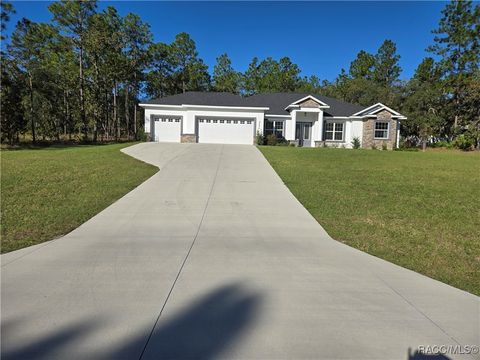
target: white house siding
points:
(357, 130)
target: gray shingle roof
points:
(277, 102)
(200, 98)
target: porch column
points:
(320, 127)
(290, 126)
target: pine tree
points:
(225, 78)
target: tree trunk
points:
(32, 117)
(107, 116)
(82, 100)
(115, 113)
(127, 117)
(135, 120)
(424, 145)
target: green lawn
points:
(50, 191)
(418, 210)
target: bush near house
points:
(51, 191)
(416, 209)
(356, 143)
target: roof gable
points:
(308, 101)
(374, 109)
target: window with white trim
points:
(334, 131)
(273, 127)
(381, 129)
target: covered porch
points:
(305, 127)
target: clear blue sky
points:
(321, 37)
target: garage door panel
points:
(225, 131)
(168, 129)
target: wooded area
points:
(81, 76)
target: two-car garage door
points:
(225, 131)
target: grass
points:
(418, 210)
(50, 191)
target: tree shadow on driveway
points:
(201, 330)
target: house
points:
(302, 119)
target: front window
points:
(381, 130)
(334, 131)
(273, 127)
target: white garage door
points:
(226, 131)
(167, 129)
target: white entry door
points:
(167, 129)
(225, 131)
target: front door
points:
(303, 133)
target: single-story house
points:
(303, 119)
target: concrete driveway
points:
(213, 257)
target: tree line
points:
(80, 76)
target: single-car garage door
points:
(225, 131)
(167, 128)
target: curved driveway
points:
(213, 257)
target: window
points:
(381, 129)
(334, 131)
(273, 127)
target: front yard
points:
(51, 191)
(418, 210)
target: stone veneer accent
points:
(188, 138)
(369, 132)
(309, 104)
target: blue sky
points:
(321, 37)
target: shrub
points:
(384, 146)
(272, 140)
(463, 143)
(374, 147)
(356, 142)
(259, 138)
(142, 136)
(443, 144)
(282, 142)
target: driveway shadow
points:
(201, 330)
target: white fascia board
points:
(293, 106)
(186, 106)
(311, 110)
(282, 116)
(160, 106)
(343, 117)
